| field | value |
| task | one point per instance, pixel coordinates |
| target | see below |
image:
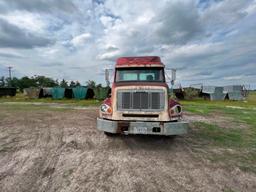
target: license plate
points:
(142, 130)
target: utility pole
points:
(10, 75)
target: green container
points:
(101, 92)
(58, 92)
(79, 92)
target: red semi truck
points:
(139, 102)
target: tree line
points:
(40, 81)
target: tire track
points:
(49, 150)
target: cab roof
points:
(146, 61)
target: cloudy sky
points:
(208, 41)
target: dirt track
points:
(51, 150)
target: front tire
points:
(109, 134)
(172, 137)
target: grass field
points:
(232, 142)
(61, 146)
(21, 98)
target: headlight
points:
(104, 108)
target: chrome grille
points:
(143, 100)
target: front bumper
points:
(141, 127)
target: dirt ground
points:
(61, 150)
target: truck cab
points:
(139, 102)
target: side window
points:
(130, 76)
(134, 74)
(147, 76)
(127, 76)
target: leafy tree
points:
(37, 81)
(91, 84)
(2, 81)
(26, 82)
(8, 82)
(43, 81)
(72, 84)
(57, 82)
(78, 83)
(15, 82)
(99, 85)
(64, 83)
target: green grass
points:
(204, 107)
(21, 98)
(232, 135)
(20, 102)
(235, 145)
(217, 136)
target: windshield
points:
(140, 74)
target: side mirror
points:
(173, 76)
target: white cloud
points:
(145, 17)
(25, 20)
(237, 77)
(251, 9)
(207, 43)
(224, 13)
(107, 21)
(13, 52)
(109, 55)
(193, 50)
(80, 40)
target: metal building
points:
(213, 93)
(234, 92)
